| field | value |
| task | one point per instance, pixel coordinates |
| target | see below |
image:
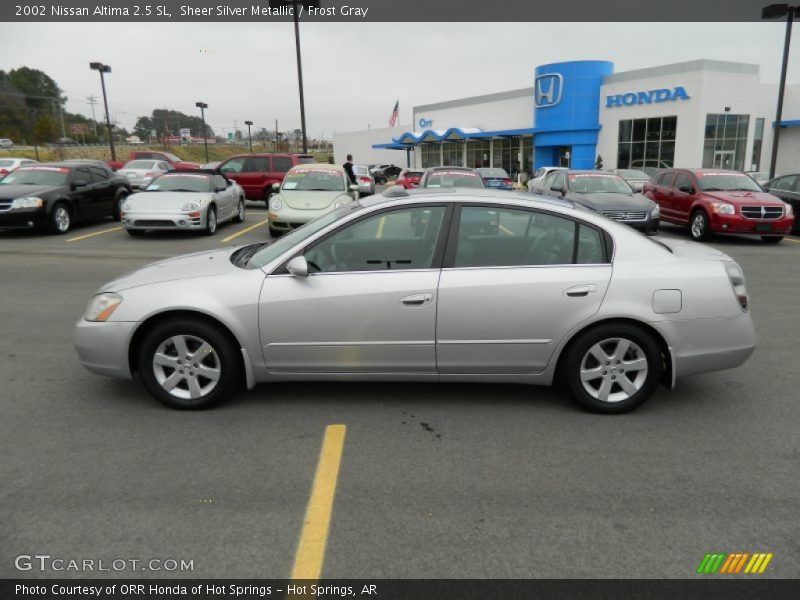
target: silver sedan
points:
(405, 288)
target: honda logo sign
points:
(547, 90)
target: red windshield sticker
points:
(456, 173)
(721, 174)
(323, 171)
(580, 175)
(53, 169)
(171, 175)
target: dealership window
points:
(647, 144)
(527, 155)
(479, 154)
(429, 154)
(452, 154)
(725, 141)
(505, 154)
(758, 140)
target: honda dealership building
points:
(702, 113)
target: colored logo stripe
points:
(733, 563)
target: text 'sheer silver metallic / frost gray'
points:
(444, 285)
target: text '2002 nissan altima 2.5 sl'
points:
(395, 289)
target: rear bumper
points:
(103, 347)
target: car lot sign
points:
(79, 128)
(186, 136)
(230, 136)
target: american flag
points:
(395, 114)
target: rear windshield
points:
(596, 183)
(361, 170)
(493, 173)
(726, 182)
(463, 179)
(306, 160)
(414, 174)
(6, 163)
(37, 176)
(181, 182)
(314, 180)
(140, 164)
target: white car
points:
(141, 172)
(6, 143)
(535, 184)
(184, 200)
(307, 192)
(9, 164)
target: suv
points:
(718, 201)
(54, 195)
(257, 172)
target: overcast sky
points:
(353, 72)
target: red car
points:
(174, 162)
(409, 178)
(256, 173)
(711, 201)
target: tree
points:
(598, 164)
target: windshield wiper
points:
(242, 256)
(714, 189)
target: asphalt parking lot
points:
(435, 481)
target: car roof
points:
(463, 195)
(588, 172)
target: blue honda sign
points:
(649, 97)
(548, 89)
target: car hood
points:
(693, 250)
(8, 192)
(739, 198)
(312, 200)
(165, 200)
(198, 264)
(601, 202)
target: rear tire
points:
(771, 239)
(698, 226)
(189, 364)
(240, 212)
(612, 368)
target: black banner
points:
(199, 11)
(707, 588)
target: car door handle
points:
(417, 299)
(580, 291)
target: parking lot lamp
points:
(103, 69)
(249, 136)
(776, 11)
(203, 106)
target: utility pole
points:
(92, 100)
(275, 143)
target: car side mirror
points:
(298, 266)
(228, 182)
(559, 189)
(77, 184)
(276, 187)
(220, 189)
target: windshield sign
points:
(465, 179)
(597, 183)
(726, 182)
(314, 180)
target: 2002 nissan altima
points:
(395, 289)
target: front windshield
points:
(597, 183)
(462, 179)
(726, 182)
(181, 182)
(299, 235)
(313, 180)
(140, 164)
(633, 174)
(37, 176)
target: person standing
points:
(348, 167)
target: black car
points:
(607, 194)
(787, 188)
(52, 196)
(382, 173)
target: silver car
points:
(184, 200)
(141, 172)
(364, 180)
(395, 289)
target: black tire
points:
(578, 357)
(240, 212)
(117, 212)
(135, 232)
(211, 221)
(60, 220)
(268, 193)
(701, 232)
(771, 239)
(222, 356)
(276, 233)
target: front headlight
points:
(28, 202)
(189, 206)
(723, 208)
(126, 206)
(102, 306)
(789, 210)
(275, 204)
(656, 212)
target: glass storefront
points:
(429, 155)
(452, 154)
(647, 144)
(505, 154)
(758, 141)
(479, 153)
(725, 141)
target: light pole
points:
(249, 136)
(103, 69)
(203, 106)
(775, 11)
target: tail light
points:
(736, 278)
(364, 179)
(507, 181)
(149, 174)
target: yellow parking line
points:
(314, 537)
(788, 239)
(88, 235)
(245, 230)
(506, 229)
(381, 223)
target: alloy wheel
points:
(698, 226)
(62, 218)
(613, 370)
(187, 367)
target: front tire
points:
(612, 368)
(275, 233)
(135, 232)
(117, 214)
(60, 221)
(771, 239)
(211, 221)
(189, 364)
(699, 226)
(240, 212)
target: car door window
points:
(256, 164)
(590, 246)
(682, 183)
(220, 183)
(492, 237)
(281, 164)
(81, 176)
(162, 166)
(399, 239)
(99, 175)
(560, 180)
(786, 184)
(234, 165)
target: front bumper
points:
(23, 218)
(719, 223)
(163, 220)
(288, 218)
(103, 347)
